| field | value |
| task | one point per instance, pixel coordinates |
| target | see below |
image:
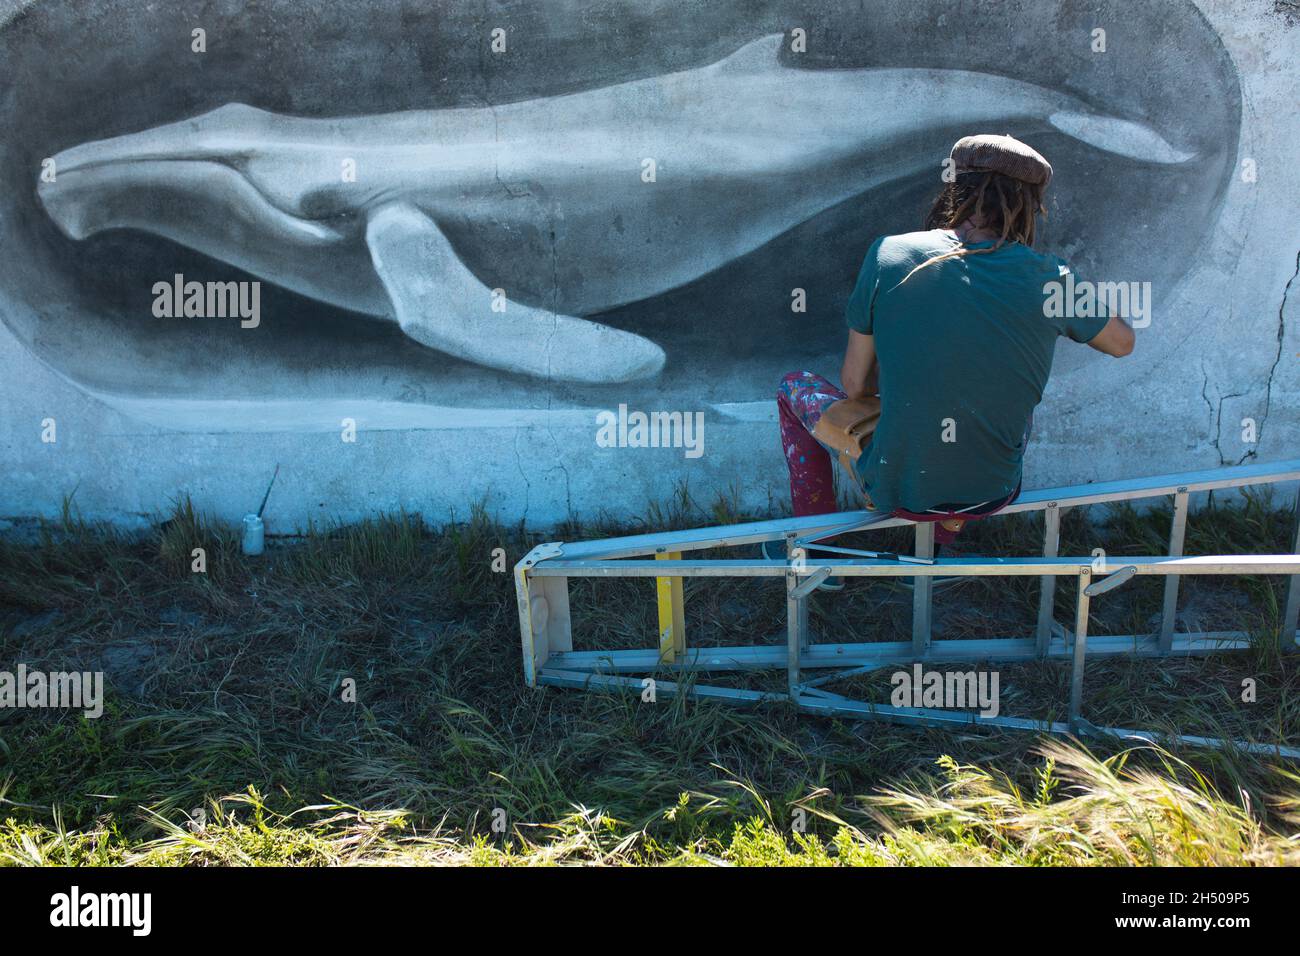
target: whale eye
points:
(325, 205)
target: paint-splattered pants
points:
(801, 399)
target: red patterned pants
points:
(801, 399)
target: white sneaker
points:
(775, 551)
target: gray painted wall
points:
(148, 407)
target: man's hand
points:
(1115, 339)
(860, 375)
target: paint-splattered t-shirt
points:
(965, 349)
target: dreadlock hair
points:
(1009, 207)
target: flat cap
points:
(989, 152)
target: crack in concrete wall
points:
(1281, 335)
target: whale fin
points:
(441, 304)
(1121, 136)
(755, 56)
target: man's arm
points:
(860, 375)
(1116, 338)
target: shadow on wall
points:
(523, 170)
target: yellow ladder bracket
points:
(672, 613)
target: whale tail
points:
(1109, 133)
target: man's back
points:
(965, 349)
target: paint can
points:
(254, 535)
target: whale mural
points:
(265, 192)
(523, 175)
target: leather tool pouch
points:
(846, 427)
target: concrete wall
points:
(774, 170)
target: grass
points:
(355, 697)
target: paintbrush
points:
(268, 491)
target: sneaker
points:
(775, 551)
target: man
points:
(948, 326)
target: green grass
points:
(226, 738)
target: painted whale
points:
(742, 150)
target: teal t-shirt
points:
(965, 348)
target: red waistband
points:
(976, 511)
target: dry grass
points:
(226, 739)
